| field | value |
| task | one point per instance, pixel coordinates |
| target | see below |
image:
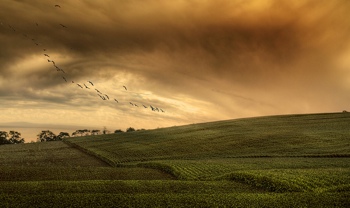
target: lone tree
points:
(105, 131)
(62, 135)
(118, 131)
(47, 136)
(130, 129)
(15, 137)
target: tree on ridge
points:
(47, 136)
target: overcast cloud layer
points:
(198, 60)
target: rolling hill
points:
(272, 161)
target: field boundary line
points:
(90, 153)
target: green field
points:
(273, 161)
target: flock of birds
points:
(89, 84)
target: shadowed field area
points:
(58, 161)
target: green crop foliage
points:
(272, 161)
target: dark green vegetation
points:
(276, 161)
(14, 137)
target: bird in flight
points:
(64, 79)
(107, 96)
(63, 26)
(144, 106)
(125, 88)
(98, 91)
(116, 100)
(58, 6)
(46, 55)
(91, 83)
(86, 86)
(80, 86)
(103, 98)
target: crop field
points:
(321, 135)
(274, 161)
(57, 161)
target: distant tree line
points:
(13, 137)
(46, 136)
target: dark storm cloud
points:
(231, 53)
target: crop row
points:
(80, 173)
(279, 180)
(175, 200)
(124, 186)
(212, 168)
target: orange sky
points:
(197, 60)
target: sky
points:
(196, 60)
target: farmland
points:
(273, 161)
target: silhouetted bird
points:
(125, 88)
(116, 100)
(80, 86)
(58, 6)
(64, 79)
(91, 83)
(34, 41)
(63, 26)
(46, 55)
(98, 91)
(162, 110)
(107, 96)
(144, 106)
(131, 103)
(103, 98)
(153, 109)
(86, 86)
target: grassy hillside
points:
(290, 135)
(274, 161)
(316, 147)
